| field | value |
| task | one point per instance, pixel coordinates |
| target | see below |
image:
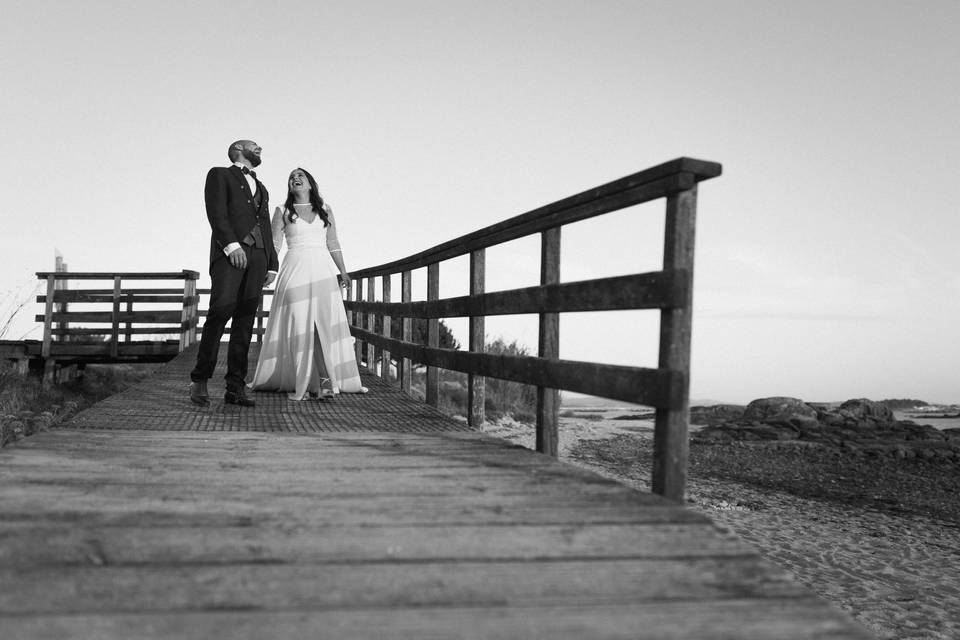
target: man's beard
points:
(253, 158)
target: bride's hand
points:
(345, 280)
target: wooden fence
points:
(107, 334)
(665, 388)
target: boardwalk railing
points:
(665, 388)
(106, 334)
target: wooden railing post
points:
(371, 326)
(260, 320)
(670, 445)
(406, 295)
(129, 324)
(387, 331)
(61, 286)
(433, 335)
(476, 385)
(548, 400)
(115, 319)
(49, 364)
(358, 321)
(188, 317)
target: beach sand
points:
(866, 545)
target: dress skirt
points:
(307, 338)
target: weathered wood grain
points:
(740, 619)
(650, 387)
(639, 291)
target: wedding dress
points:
(307, 340)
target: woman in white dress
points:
(307, 349)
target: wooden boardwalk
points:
(363, 517)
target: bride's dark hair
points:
(315, 200)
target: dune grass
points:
(28, 406)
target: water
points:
(938, 423)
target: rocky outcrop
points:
(859, 426)
(716, 413)
(867, 410)
(790, 412)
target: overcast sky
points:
(826, 262)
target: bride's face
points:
(298, 182)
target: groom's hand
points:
(238, 258)
(271, 276)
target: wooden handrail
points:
(657, 182)
(186, 274)
(665, 388)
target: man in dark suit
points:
(242, 261)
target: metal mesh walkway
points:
(162, 403)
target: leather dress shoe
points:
(198, 393)
(239, 397)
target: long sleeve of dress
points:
(333, 243)
(276, 228)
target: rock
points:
(716, 414)
(780, 409)
(863, 409)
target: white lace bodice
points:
(300, 233)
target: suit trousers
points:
(234, 296)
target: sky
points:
(826, 261)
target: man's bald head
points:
(235, 150)
(247, 149)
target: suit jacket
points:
(232, 212)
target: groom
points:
(242, 261)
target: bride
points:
(307, 349)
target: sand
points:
(895, 571)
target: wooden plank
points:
(451, 583)
(671, 442)
(347, 543)
(476, 385)
(433, 336)
(103, 331)
(657, 290)
(538, 221)
(168, 316)
(126, 275)
(650, 387)
(794, 618)
(206, 292)
(548, 399)
(78, 349)
(744, 619)
(79, 295)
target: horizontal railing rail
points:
(666, 388)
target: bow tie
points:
(248, 171)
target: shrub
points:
(502, 398)
(28, 406)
